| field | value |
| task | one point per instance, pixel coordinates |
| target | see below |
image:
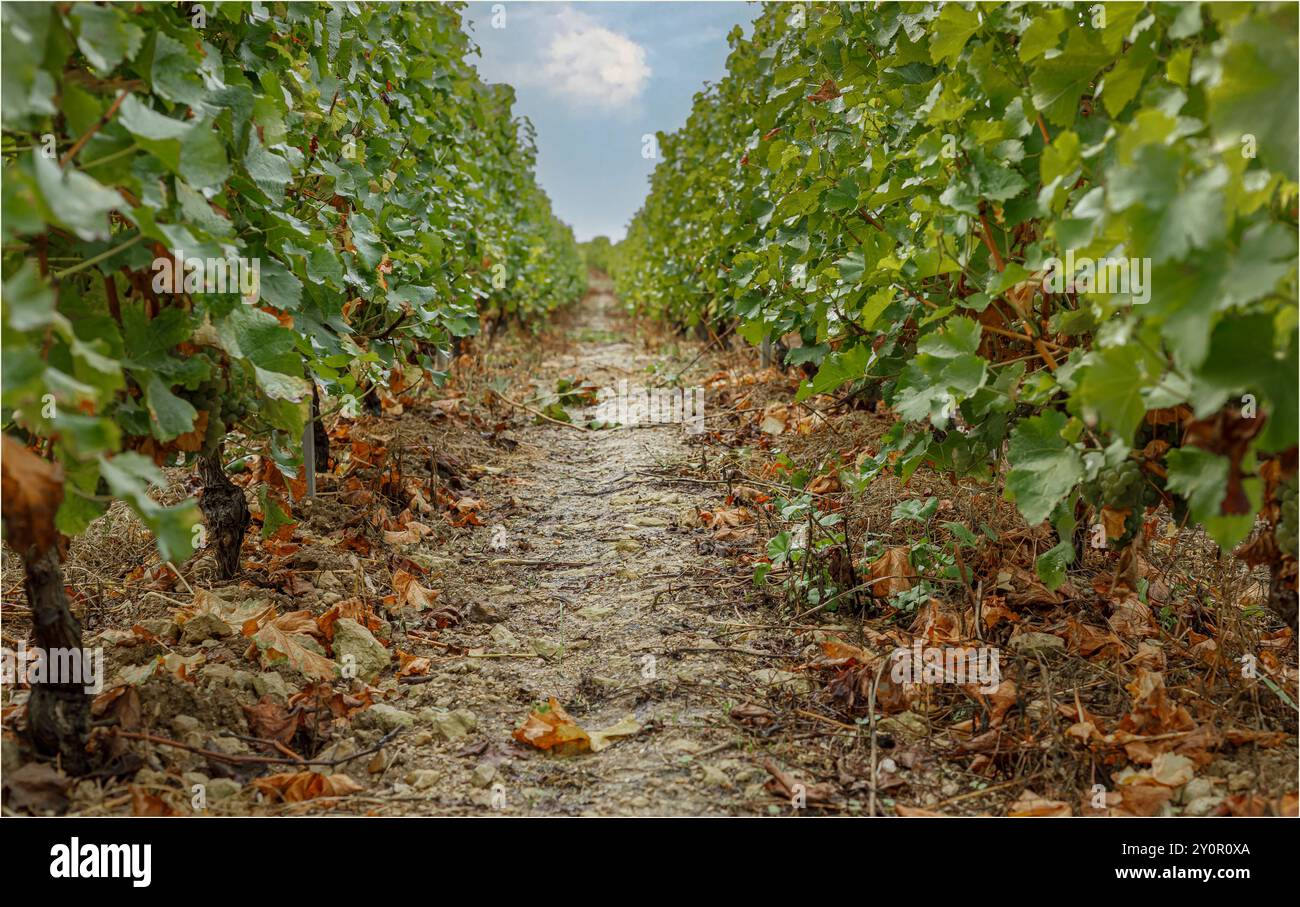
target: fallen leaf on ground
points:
(179, 666)
(412, 665)
(1172, 770)
(275, 644)
(916, 812)
(549, 727)
(144, 803)
(353, 609)
(604, 738)
(753, 714)
(36, 786)
(409, 593)
(1029, 804)
(891, 573)
(412, 533)
(120, 703)
(1145, 799)
(789, 787)
(841, 654)
(725, 518)
(294, 787)
(270, 720)
(774, 419)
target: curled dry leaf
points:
(352, 609)
(271, 721)
(823, 484)
(36, 786)
(413, 665)
(144, 803)
(788, 787)
(891, 573)
(839, 654)
(916, 812)
(32, 490)
(408, 593)
(413, 532)
(752, 714)
(179, 666)
(294, 787)
(276, 644)
(549, 727)
(1112, 519)
(774, 419)
(1031, 805)
(827, 92)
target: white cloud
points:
(589, 63)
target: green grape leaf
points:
(1044, 467)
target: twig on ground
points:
(251, 760)
(539, 414)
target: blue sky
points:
(595, 78)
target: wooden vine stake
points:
(309, 456)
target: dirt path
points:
(616, 599)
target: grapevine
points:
(212, 215)
(910, 188)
